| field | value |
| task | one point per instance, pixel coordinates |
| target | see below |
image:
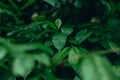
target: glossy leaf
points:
(59, 40)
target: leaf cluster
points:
(59, 40)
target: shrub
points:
(59, 39)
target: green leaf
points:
(32, 46)
(3, 5)
(14, 5)
(89, 24)
(48, 75)
(104, 44)
(77, 4)
(74, 55)
(113, 45)
(29, 2)
(73, 41)
(77, 78)
(3, 52)
(83, 35)
(59, 40)
(67, 30)
(23, 65)
(112, 22)
(42, 59)
(58, 23)
(51, 2)
(95, 68)
(117, 69)
(48, 43)
(50, 24)
(107, 7)
(80, 34)
(61, 55)
(93, 40)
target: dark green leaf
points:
(80, 34)
(67, 30)
(14, 5)
(93, 39)
(50, 24)
(48, 75)
(77, 4)
(51, 2)
(29, 2)
(6, 75)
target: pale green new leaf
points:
(59, 40)
(23, 65)
(74, 55)
(58, 23)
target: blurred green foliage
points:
(59, 40)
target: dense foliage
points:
(59, 40)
